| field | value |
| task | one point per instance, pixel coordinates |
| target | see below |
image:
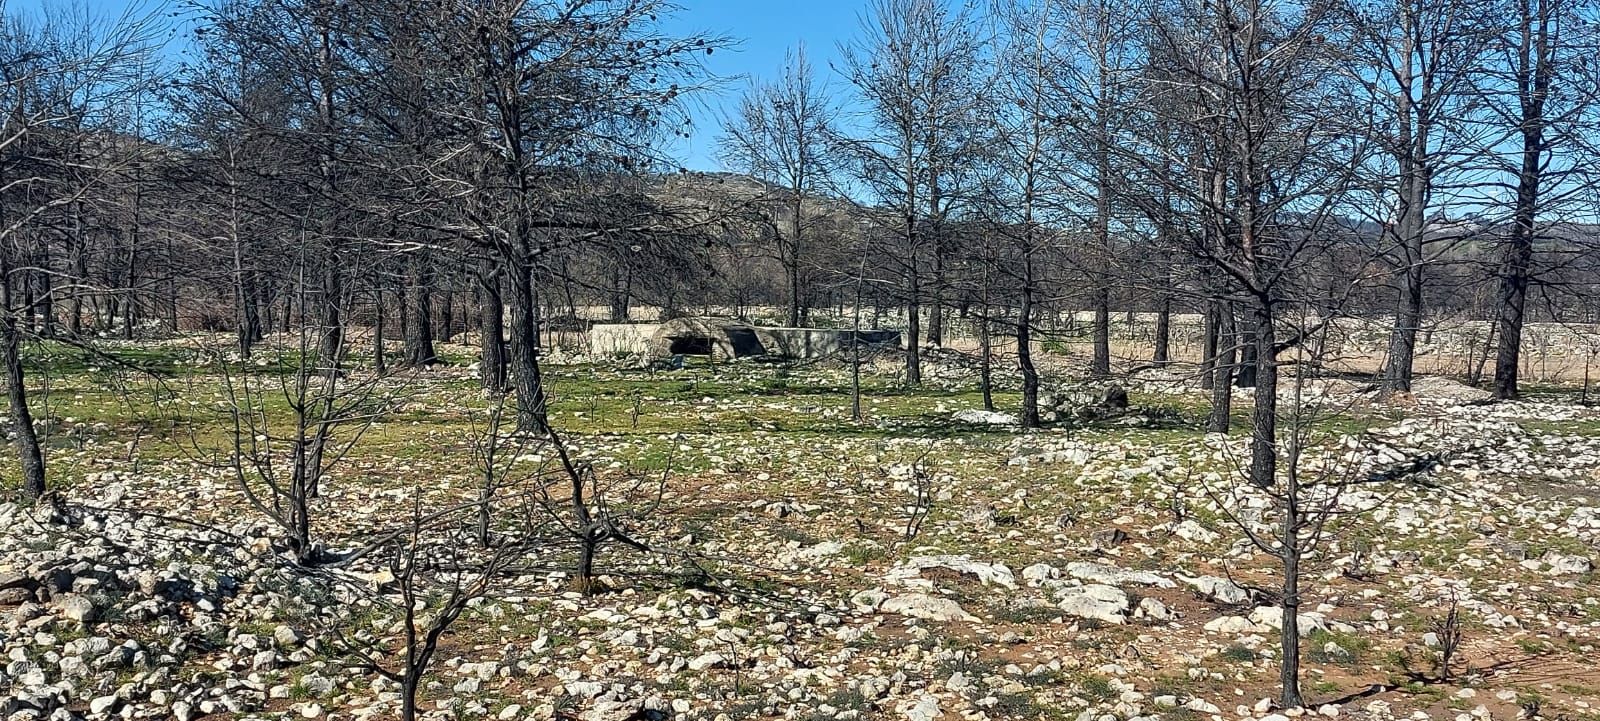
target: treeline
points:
(429, 168)
(1251, 161)
(426, 168)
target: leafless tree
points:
(915, 71)
(1096, 54)
(1542, 97)
(782, 133)
(434, 582)
(1250, 85)
(1309, 500)
(1418, 64)
(281, 466)
(58, 78)
(1027, 180)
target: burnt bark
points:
(491, 332)
(532, 413)
(1222, 367)
(419, 309)
(24, 438)
(1532, 77)
(1163, 340)
(1030, 374)
(1264, 426)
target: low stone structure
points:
(821, 342)
(732, 338)
(608, 339)
(717, 337)
(1085, 402)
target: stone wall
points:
(613, 338)
(806, 343)
(801, 343)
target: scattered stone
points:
(924, 708)
(74, 607)
(1218, 589)
(868, 600)
(1564, 564)
(1308, 623)
(1154, 610)
(705, 661)
(286, 637)
(1094, 601)
(1192, 531)
(316, 684)
(1100, 573)
(984, 418)
(103, 705)
(1040, 572)
(921, 605)
(1231, 625)
(986, 573)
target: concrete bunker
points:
(733, 338)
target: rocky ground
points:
(802, 566)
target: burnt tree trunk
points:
(1410, 229)
(532, 414)
(1263, 437)
(1532, 76)
(24, 437)
(419, 311)
(331, 347)
(380, 361)
(914, 324)
(1024, 333)
(1222, 368)
(491, 332)
(1163, 349)
(1246, 377)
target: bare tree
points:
(1541, 95)
(280, 466)
(1026, 188)
(781, 134)
(1309, 498)
(1097, 55)
(434, 583)
(220, 111)
(612, 80)
(915, 72)
(57, 79)
(1249, 84)
(1418, 63)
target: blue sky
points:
(762, 31)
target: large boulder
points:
(1113, 397)
(979, 417)
(1086, 402)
